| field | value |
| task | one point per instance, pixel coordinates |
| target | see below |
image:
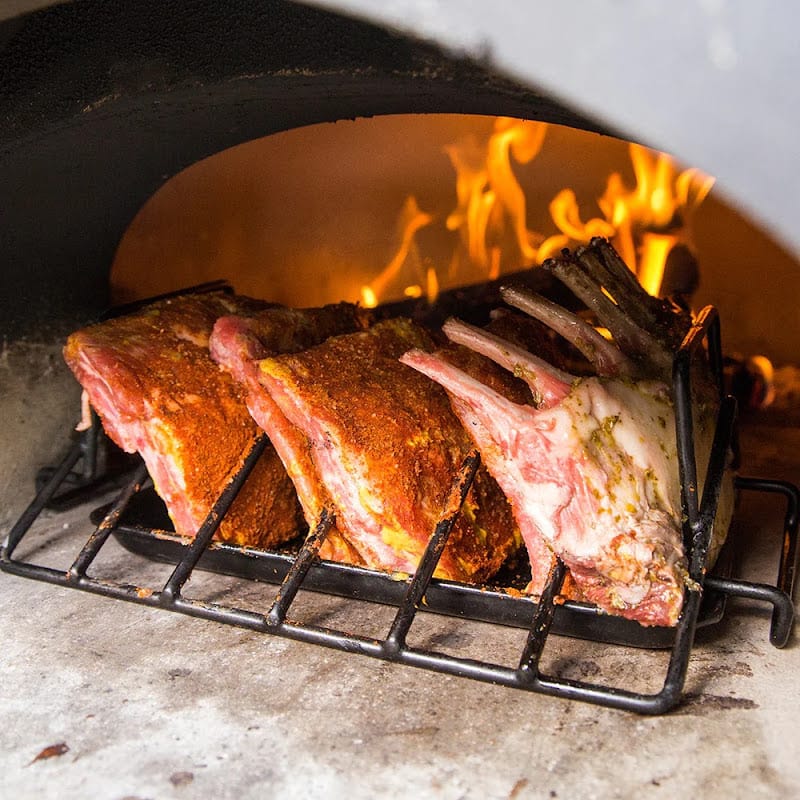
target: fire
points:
(645, 222)
(490, 200)
(406, 260)
(489, 220)
(489, 217)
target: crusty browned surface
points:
(397, 435)
(237, 343)
(167, 390)
(279, 329)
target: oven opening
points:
(378, 209)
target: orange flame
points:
(490, 200)
(644, 222)
(412, 218)
(489, 217)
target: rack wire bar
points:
(218, 285)
(38, 504)
(542, 621)
(98, 538)
(693, 528)
(698, 513)
(789, 550)
(309, 552)
(183, 570)
(102, 468)
(712, 489)
(433, 552)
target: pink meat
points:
(591, 466)
(158, 393)
(238, 343)
(586, 478)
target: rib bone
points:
(547, 383)
(607, 359)
(645, 328)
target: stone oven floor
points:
(158, 705)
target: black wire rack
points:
(77, 476)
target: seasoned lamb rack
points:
(379, 444)
(151, 380)
(590, 467)
(239, 342)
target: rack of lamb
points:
(591, 465)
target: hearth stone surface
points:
(158, 705)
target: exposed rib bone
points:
(548, 384)
(491, 418)
(632, 340)
(613, 274)
(606, 357)
(645, 328)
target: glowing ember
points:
(489, 219)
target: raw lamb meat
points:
(591, 466)
(379, 444)
(151, 380)
(238, 343)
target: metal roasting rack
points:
(77, 476)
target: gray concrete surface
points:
(158, 705)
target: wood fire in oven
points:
(137, 520)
